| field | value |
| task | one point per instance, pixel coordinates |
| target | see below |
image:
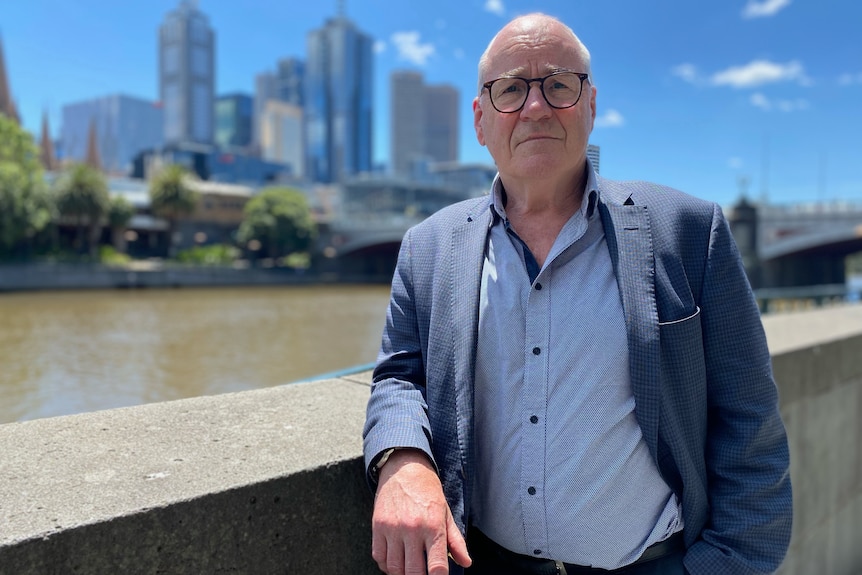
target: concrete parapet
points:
(817, 359)
(271, 481)
(268, 481)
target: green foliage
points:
(278, 218)
(120, 212)
(82, 193)
(170, 195)
(216, 254)
(25, 206)
(111, 257)
(82, 196)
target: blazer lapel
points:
(468, 252)
(627, 229)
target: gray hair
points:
(580, 48)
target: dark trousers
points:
(492, 559)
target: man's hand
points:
(412, 520)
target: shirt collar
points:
(588, 208)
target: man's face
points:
(538, 140)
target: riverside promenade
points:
(271, 480)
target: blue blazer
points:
(701, 372)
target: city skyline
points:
(695, 97)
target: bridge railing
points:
(771, 300)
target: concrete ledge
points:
(267, 481)
(271, 481)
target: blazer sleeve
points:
(397, 411)
(746, 452)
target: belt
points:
(498, 559)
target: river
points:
(78, 351)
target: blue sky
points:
(691, 94)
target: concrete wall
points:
(271, 481)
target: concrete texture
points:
(271, 481)
(817, 359)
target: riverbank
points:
(140, 275)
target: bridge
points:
(368, 219)
(271, 480)
(796, 245)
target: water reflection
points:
(69, 352)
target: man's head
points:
(539, 138)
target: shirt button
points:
(536, 351)
(534, 419)
(531, 490)
(537, 551)
(539, 286)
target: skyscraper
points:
(233, 121)
(286, 85)
(123, 126)
(407, 102)
(424, 122)
(338, 101)
(187, 75)
(594, 154)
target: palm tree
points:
(82, 194)
(120, 212)
(171, 197)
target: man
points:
(573, 372)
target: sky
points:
(714, 98)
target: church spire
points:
(7, 104)
(92, 158)
(46, 146)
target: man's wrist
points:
(381, 460)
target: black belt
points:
(498, 559)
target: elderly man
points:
(573, 373)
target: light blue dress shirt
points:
(563, 470)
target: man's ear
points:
(477, 121)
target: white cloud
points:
(765, 8)
(687, 72)
(410, 49)
(760, 72)
(758, 100)
(495, 7)
(850, 79)
(379, 47)
(610, 119)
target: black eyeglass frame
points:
(541, 81)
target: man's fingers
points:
(378, 550)
(438, 555)
(456, 543)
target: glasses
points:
(560, 90)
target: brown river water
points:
(77, 351)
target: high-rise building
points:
(424, 122)
(187, 75)
(407, 123)
(281, 136)
(593, 155)
(441, 123)
(338, 101)
(233, 121)
(123, 126)
(287, 84)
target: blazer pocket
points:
(679, 321)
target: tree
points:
(278, 218)
(120, 212)
(171, 197)
(82, 195)
(25, 206)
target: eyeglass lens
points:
(560, 90)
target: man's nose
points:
(536, 106)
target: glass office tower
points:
(187, 75)
(338, 101)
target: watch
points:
(381, 461)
